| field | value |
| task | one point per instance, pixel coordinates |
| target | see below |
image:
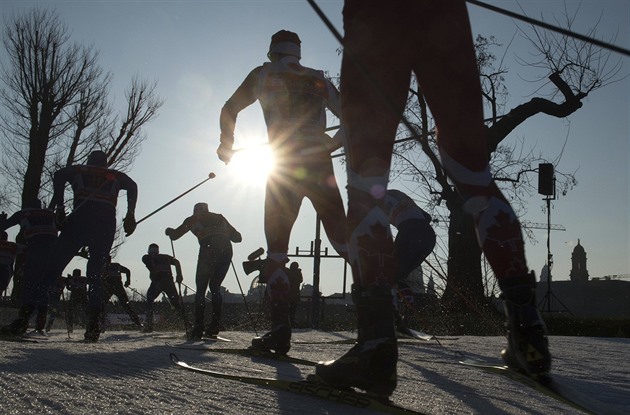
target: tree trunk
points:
(465, 286)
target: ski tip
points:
(174, 358)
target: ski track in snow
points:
(131, 373)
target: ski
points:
(17, 339)
(305, 387)
(183, 337)
(415, 334)
(548, 386)
(247, 352)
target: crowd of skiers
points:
(384, 43)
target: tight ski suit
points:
(159, 266)
(113, 285)
(92, 222)
(37, 226)
(384, 43)
(294, 99)
(215, 235)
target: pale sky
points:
(200, 51)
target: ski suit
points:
(384, 43)
(8, 251)
(55, 292)
(294, 100)
(92, 222)
(38, 229)
(215, 235)
(159, 266)
(113, 285)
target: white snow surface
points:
(129, 372)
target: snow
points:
(129, 372)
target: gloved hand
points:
(129, 223)
(60, 217)
(3, 218)
(169, 232)
(179, 279)
(225, 153)
(127, 283)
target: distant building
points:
(604, 297)
(579, 272)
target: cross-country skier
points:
(384, 42)
(92, 223)
(294, 100)
(215, 235)
(113, 285)
(161, 275)
(78, 301)
(8, 252)
(38, 228)
(414, 241)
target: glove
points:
(3, 219)
(127, 283)
(60, 217)
(225, 153)
(179, 279)
(129, 223)
(169, 232)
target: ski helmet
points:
(285, 43)
(97, 158)
(153, 249)
(200, 207)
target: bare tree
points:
(56, 99)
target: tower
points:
(578, 273)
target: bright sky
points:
(200, 52)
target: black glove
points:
(129, 223)
(169, 232)
(127, 283)
(225, 153)
(3, 219)
(179, 279)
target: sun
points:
(253, 164)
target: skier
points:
(294, 99)
(414, 241)
(92, 223)
(215, 235)
(113, 285)
(161, 275)
(8, 252)
(37, 226)
(384, 43)
(78, 302)
(295, 280)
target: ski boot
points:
(279, 338)
(370, 364)
(93, 326)
(528, 347)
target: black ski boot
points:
(528, 347)
(197, 330)
(18, 327)
(279, 338)
(215, 326)
(370, 364)
(93, 326)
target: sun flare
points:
(253, 164)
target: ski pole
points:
(244, 299)
(210, 176)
